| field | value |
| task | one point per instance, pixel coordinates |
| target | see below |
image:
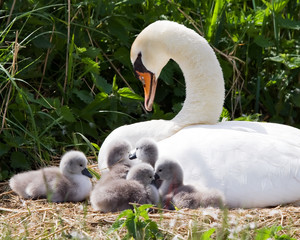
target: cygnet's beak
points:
(132, 155)
(157, 181)
(86, 173)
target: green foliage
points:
(138, 224)
(66, 81)
(272, 233)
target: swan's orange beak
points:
(149, 83)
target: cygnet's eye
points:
(80, 165)
(160, 170)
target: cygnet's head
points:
(118, 152)
(168, 170)
(146, 150)
(142, 173)
(74, 162)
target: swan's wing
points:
(252, 169)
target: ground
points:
(39, 219)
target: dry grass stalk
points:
(43, 220)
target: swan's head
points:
(148, 56)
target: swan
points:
(117, 194)
(68, 182)
(253, 164)
(174, 192)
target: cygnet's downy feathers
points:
(117, 161)
(117, 194)
(68, 182)
(146, 150)
(173, 192)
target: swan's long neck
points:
(204, 79)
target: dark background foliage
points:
(66, 80)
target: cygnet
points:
(117, 161)
(68, 182)
(145, 150)
(117, 194)
(174, 193)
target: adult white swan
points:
(253, 164)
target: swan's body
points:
(69, 182)
(117, 194)
(253, 164)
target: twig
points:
(68, 47)
(51, 234)
(10, 12)
(5, 193)
(23, 211)
(46, 61)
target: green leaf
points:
(18, 160)
(67, 114)
(127, 93)
(101, 83)
(206, 235)
(122, 55)
(287, 23)
(91, 65)
(263, 42)
(4, 148)
(84, 95)
(115, 86)
(96, 146)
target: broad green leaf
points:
(4, 148)
(91, 65)
(101, 83)
(287, 23)
(263, 42)
(127, 93)
(123, 55)
(67, 114)
(84, 95)
(18, 160)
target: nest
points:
(39, 219)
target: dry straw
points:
(42, 220)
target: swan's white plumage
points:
(253, 164)
(252, 169)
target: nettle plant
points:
(67, 80)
